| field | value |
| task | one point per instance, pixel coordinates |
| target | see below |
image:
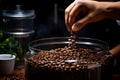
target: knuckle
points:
(66, 11)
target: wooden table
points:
(19, 74)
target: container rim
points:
(106, 46)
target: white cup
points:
(7, 64)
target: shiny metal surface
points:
(56, 42)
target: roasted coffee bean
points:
(55, 58)
(50, 64)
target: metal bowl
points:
(36, 69)
(58, 42)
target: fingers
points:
(82, 22)
(80, 8)
(67, 11)
(71, 14)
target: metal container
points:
(38, 70)
(18, 22)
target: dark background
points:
(45, 25)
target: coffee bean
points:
(54, 58)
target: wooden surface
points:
(19, 74)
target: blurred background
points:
(49, 21)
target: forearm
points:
(113, 9)
(107, 0)
(115, 51)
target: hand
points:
(107, 60)
(92, 11)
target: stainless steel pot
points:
(18, 22)
(36, 70)
(56, 42)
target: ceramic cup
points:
(7, 64)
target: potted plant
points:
(8, 54)
(8, 45)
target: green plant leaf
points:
(1, 33)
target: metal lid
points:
(19, 13)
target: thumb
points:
(81, 23)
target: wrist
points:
(112, 10)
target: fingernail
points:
(75, 27)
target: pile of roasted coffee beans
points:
(19, 74)
(64, 59)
